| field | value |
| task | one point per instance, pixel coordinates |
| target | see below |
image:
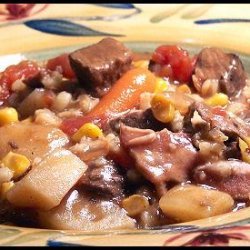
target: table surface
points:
(31, 27)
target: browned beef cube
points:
(213, 63)
(98, 66)
(143, 119)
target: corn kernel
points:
(6, 186)
(88, 129)
(162, 108)
(135, 204)
(218, 99)
(161, 85)
(7, 116)
(245, 151)
(18, 163)
(247, 140)
(184, 89)
(141, 64)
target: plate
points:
(228, 229)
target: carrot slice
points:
(123, 95)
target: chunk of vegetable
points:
(135, 204)
(218, 99)
(176, 62)
(5, 174)
(245, 151)
(4, 92)
(17, 163)
(48, 182)
(88, 129)
(247, 140)
(6, 186)
(61, 63)
(162, 108)
(189, 202)
(123, 95)
(161, 85)
(31, 140)
(8, 115)
(78, 211)
(23, 70)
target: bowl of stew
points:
(136, 133)
(110, 139)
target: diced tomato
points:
(4, 92)
(177, 59)
(23, 70)
(63, 62)
(71, 125)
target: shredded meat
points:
(212, 119)
(232, 177)
(160, 156)
(102, 177)
(137, 119)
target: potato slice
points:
(48, 182)
(79, 211)
(31, 140)
(188, 202)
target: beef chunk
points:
(232, 150)
(137, 119)
(213, 63)
(98, 66)
(232, 177)
(214, 118)
(103, 177)
(160, 157)
(34, 81)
